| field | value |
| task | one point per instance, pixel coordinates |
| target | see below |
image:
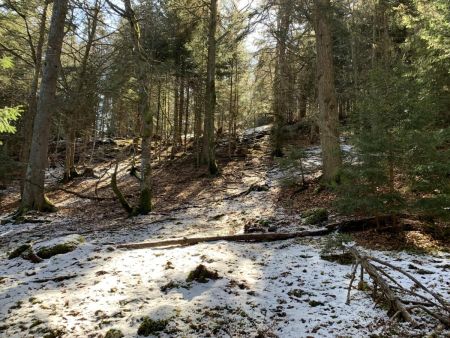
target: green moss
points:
(17, 252)
(316, 215)
(264, 222)
(298, 293)
(54, 333)
(201, 275)
(314, 303)
(36, 322)
(57, 249)
(48, 206)
(150, 326)
(114, 333)
(145, 202)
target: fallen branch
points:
(262, 237)
(445, 305)
(436, 306)
(123, 201)
(94, 198)
(395, 303)
(253, 187)
(54, 279)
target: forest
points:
(225, 168)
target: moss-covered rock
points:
(150, 326)
(201, 275)
(114, 333)
(315, 216)
(54, 333)
(17, 252)
(57, 249)
(314, 303)
(58, 246)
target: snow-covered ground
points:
(281, 289)
(284, 288)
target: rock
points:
(314, 303)
(297, 293)
(114, 333)
(262, 225)
(202, 275)
(58, 246)
(150, 326)
(315, 216)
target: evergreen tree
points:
(401, 155)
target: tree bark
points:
(209, 151)
(33, 196)
(145, 198)
(176, 111)
(280, 87)
(328, 112)
(27, 130)
(186, 121)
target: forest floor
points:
(276, 289)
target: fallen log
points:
(254, 237)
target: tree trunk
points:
(186, 121)
(77, 99)
(69, 163)
(328, 112)
(181, 108)
(209, 151)
(158, 114)
(198, 107)
(176, 111)
(145, 198)
(280, 90)
(230, 117)
(33, 196)
(27, 130)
